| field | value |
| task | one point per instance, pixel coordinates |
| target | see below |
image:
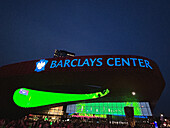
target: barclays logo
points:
(40, 65)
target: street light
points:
(133, 93)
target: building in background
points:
(63, 53)
(86, 86)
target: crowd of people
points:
(73, 123)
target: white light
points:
(40, 65)
(162, 115)
(133, 93)
(164, 124)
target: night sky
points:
(32, 29)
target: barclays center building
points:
(81, 86)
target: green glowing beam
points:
(27, 98)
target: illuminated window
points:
(111, 108)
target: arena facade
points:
(84, 85)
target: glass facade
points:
(56, 110)
(110, 108)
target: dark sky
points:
(32, 29)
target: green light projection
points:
(108, 108)
(27, 98)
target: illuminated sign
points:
(32, 98)
(94, 62)
(40, 65)
(128, 62)
(76, 63)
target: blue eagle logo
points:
(40, 65)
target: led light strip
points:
(27, 98)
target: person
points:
(2, 123)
